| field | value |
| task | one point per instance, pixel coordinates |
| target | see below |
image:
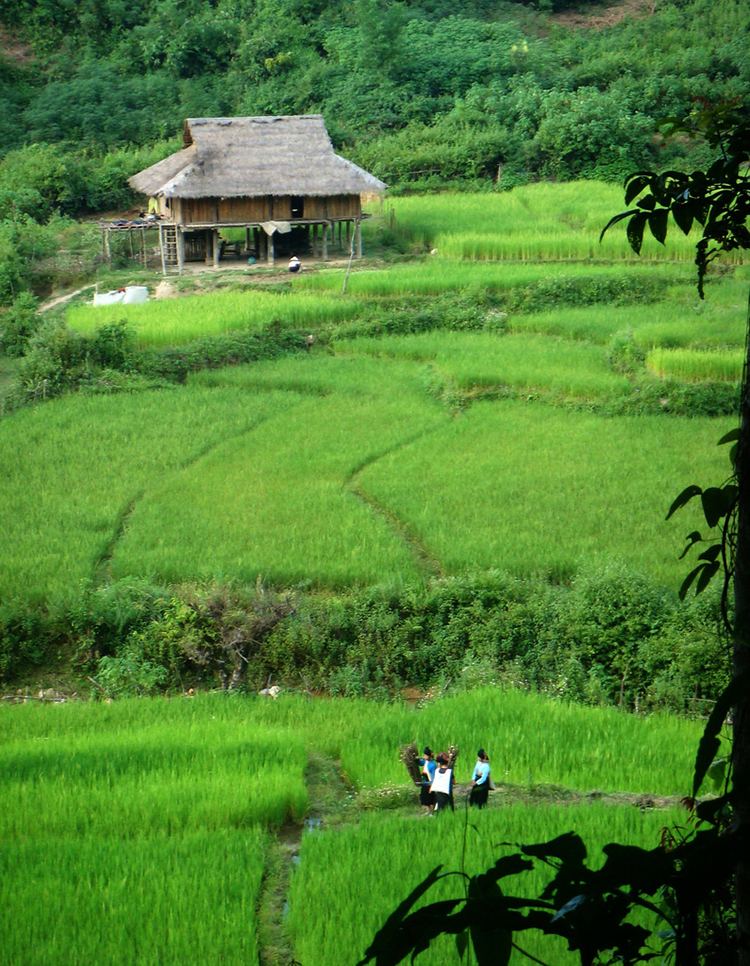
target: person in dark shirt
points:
(480, 780)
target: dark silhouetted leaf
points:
(635, 229)
(709, 743)
(707, 574)
(692, 539)
(613, 221)
(683, 216)
(657, 223)
(685, 497)
(635, 184)
(714, 505)
(568, 847)
(686, 583)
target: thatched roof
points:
(244, 157)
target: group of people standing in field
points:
(436, 790)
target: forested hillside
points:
(410, 89)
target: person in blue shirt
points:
(428, 766)
(480, 780)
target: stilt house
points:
(276, 177)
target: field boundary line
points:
(104, 557)
(425, 560)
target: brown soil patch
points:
(13, 50)
(605, 16)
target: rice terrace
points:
(448, 484)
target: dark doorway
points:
(298, 207)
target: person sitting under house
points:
(294, 264)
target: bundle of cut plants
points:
(409, 755)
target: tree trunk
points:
(741, 711)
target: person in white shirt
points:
(442, 784)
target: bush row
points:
(58, 359)
(608, 637)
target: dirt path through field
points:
(62, 299)
(329, 796)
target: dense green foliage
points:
(413, 89)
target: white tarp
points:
(282, 227)
(131, 295)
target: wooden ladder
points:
(168, 245)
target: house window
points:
(298, 207)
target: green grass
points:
(178, 321)
(155, 900)
(694, 365)
(433, 276)
(231, 478)
(384, 857)
(136, 832)
(482, 359)
(319, 375)
(277, 503)
(127, 747)
(677, 321)
(73, 467)
(536, 490)
(543, 221)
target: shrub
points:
(625, 355)
(549, 293)
(18, 324)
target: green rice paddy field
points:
(139, 832)
(144, 832)
(352, 465)
(262, 470)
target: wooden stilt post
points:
(247, 238)
(348, 236)
(161, 249)
(180, 249)
(216, 247)
(271, 251)
(359, 239)
(207, 252)
(325, 243)
(315, 241)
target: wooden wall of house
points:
(344, 206)
(214, 211)
(244, 209)
(282, 208)
(200, 211)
